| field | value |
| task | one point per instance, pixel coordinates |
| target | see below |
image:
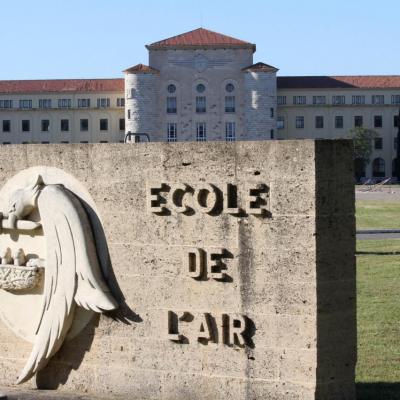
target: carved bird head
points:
(24, 201)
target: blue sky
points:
(46, 39)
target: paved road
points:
(378, 236)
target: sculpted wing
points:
(72, 273)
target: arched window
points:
(394, 164)
(378, 168)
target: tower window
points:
(171, 132)
(229, 104)
(171, 88)
(65, 125)
(26, 125)
(200, 88)
(171, 105)
(230, 131)
(201, 104)
(45, 124)
(229, 87)
(104, 124)
(201, 133)
(271, 112)
(84, 125)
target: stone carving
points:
(72, 275)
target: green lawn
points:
(377, 214)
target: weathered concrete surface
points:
(291, 273)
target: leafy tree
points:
(363, 139)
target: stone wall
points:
(216, 303)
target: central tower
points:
(201, 85)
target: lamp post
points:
(398, 149)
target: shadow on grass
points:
(377, 253)
(378, 391)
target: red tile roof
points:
(260, 67)
(339, 82)
(141, 69)
(202, 38)
(62, 85)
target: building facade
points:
(203, 85)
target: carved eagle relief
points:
(72, 274)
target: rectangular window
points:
(200, 104)
(230, 131)
(171, 105)
(84, 123)
(6, 104)
(120, 102)
(129, 114)
(6, 125)
(201, 133)
(339, 122)
(83, 103)
(45, 124)
(395, 143)
(44, 103)
(230, 104)
(122, 124)
(25, 104)
(319, 121)
(280, 122)
(338, 100)
(171, 132)
(319, 100)
(396, 99)
(300, 122)
(271, 112)
(358, 100)
(378, 99)
(358, 121)
(378, 121)
(26, 125)
(271, 133)
(104, 124)
(64, 103)
(64, 125)
(396, 121)
(281, 100)
(299, 100)
(378, 143)
(103, 102)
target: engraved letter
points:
(207, 198)
(231, 199)
(205, 329)
(215, 265)
(257, 199)
(178, 197)
(173, 327)
(154, 200)
(236, 325)
(195, 259)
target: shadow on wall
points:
(72, 353)
(378, 391)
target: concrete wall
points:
(290, 272)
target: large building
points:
(203, 85)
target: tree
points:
(363, 147)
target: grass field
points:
(377, 214)
(378, 303)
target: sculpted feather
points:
(72, 272)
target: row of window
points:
(200, 88)
(337, 100)
(201, 105)
(64, 125)
(339, 121)
(379, 168)
(65, 142)
(201, 132)
(27, 104)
